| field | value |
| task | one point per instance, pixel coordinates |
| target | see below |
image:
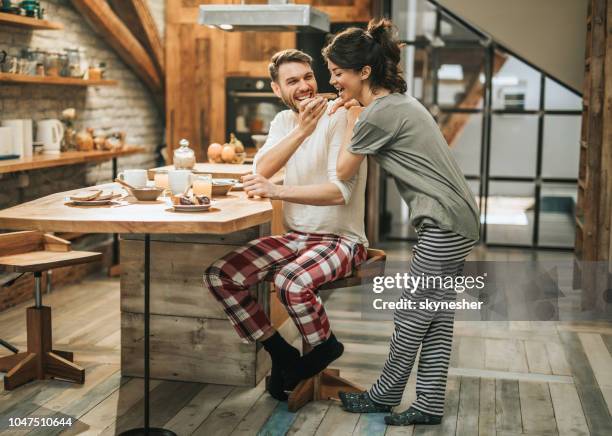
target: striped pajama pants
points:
(437, 253)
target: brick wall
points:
(128, 107)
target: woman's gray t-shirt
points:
(406, 141)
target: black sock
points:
(283, 356)
(314, 362)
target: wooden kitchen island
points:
(190, 336)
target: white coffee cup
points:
(6, 141)
(178, 180)
(136, 178)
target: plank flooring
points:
(506, 378)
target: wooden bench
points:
(36, 252)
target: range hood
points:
(276, 16)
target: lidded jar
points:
(184, 157)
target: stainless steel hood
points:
(272, 17)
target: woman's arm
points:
(348, 163)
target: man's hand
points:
(346, 104)
(310, 111)
(256, 184)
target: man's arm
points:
(311, 110)
(322, 194)
(348, 163)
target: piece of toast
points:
(328, 95)
(106, 194)
(89, 195)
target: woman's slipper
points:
(360, 402)
(412, 416)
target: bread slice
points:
(89, 195)
(106, 194)
(328, 95)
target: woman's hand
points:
(258, 185)
(310, 111)
(353, 114)
(346, 104)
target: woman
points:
(405, 140)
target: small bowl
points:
(222, 186)
(146, 194)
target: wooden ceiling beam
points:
(110, 27)
(137, 16)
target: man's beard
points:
(289, 103)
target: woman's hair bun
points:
(381, 30)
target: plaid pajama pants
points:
(298, 264)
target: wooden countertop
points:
(218, 170)
(67, 158)
(231, 213)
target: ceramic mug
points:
(178, 180)
(136, 178)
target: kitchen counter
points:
(191, 338)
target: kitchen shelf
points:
(32, 23)
(49, 80)
(40, 161)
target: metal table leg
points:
(115, 235)
(146, 430)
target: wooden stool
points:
(326, 384)
(33, 251)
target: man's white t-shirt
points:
(314, 162)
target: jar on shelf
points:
(74, 62)
(184, 157)
(28, 61)
(53, 65)
(63, 61)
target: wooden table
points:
(230, 216)
(40, 161)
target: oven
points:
(250, 108)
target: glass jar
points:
(28, 61)
(74, 62)
(63, 61)
(53, 65)
(184, 157)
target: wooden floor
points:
(506, 378)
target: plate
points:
(191, 208)
(90, 202)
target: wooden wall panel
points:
(174, 266)
(189, 349)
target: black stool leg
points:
(9, 346)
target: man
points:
(325, 219)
